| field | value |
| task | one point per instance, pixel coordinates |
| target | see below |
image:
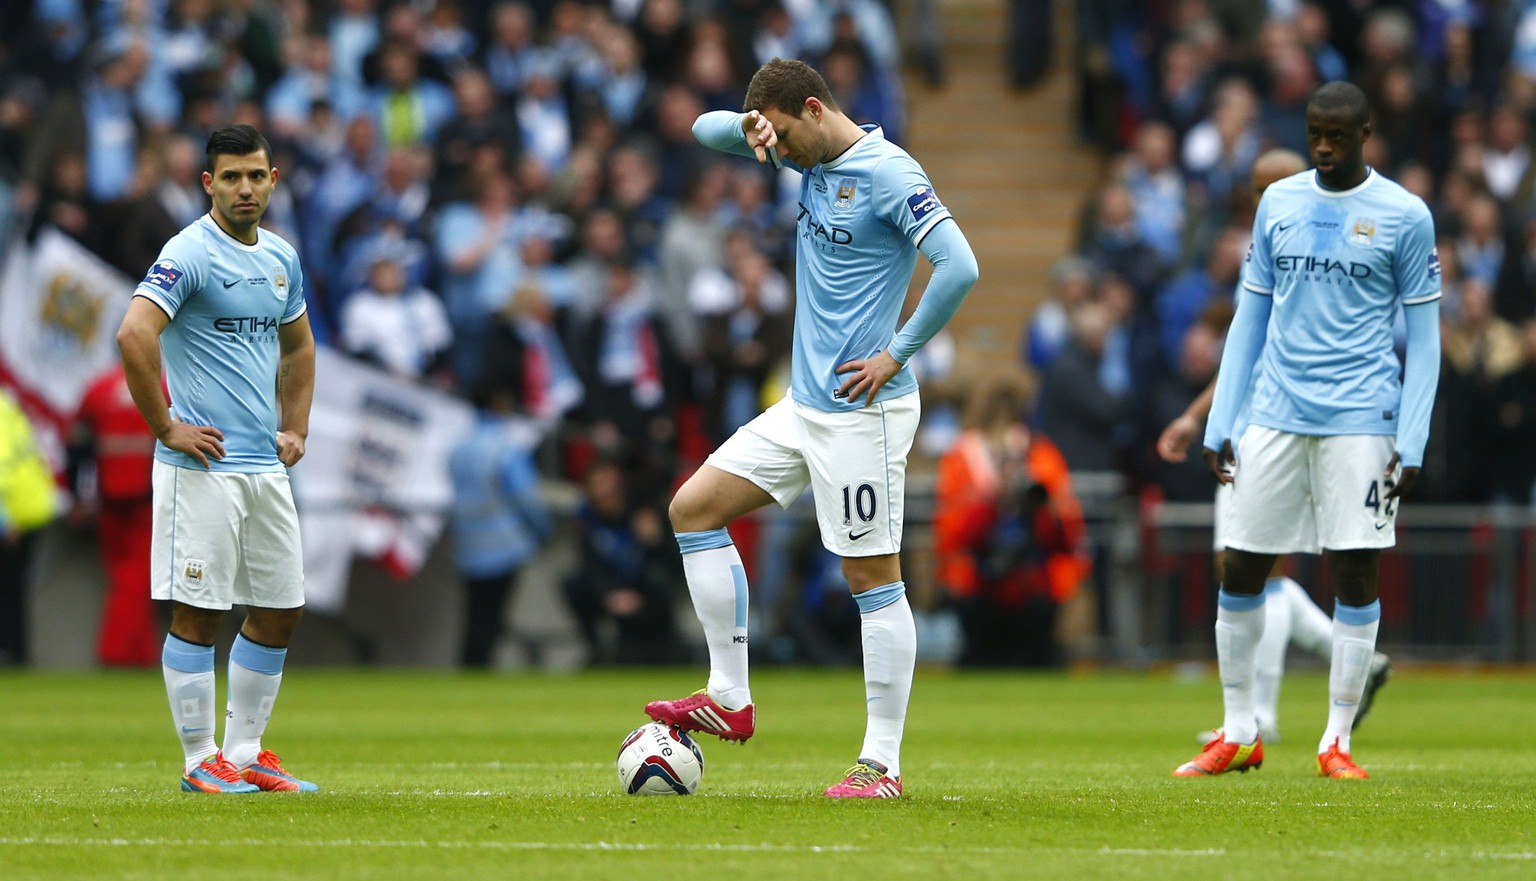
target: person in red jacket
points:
(114, 435)
(1009, 536)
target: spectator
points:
(1008, 532)
(401, 328)
(408, 108)
(1050, 327)
(1512, 429)
(746, 341)
(1478, 342)
(28, 502)
(629, 368)
(114, 440)
(1086, 418)
(1182, 300)
(476, 253)
(1115, 244)
(498, 524)
(525, 357)
(627, 566)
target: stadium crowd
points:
(505, 200)
(1183, 96)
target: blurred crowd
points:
(1183, 95)
(504, 200)
(500, 198)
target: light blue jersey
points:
(861, 218)
(226, 300)
(1337, 265)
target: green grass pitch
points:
(440, 775)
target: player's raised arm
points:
(744, 134)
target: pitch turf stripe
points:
(60, 841)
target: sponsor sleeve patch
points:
(923, 203)
(163, 275)
(1434, 264)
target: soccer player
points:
(1290, 615)
(844, 429)
(1334, 440)
(226, 299)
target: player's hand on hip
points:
(290, 447)
(197, 441)
(869, 376)
(1173, 443)
(1221, 463)
(1399, 485)
(760, 134)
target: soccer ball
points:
(658, 759)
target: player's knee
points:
(1354, 575)
(691, 511)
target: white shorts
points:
(1219, 528)
(1297, 493)
(855, 463)
(222, 539)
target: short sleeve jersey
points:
(226, 301)
(861, 217)
(1338, 265)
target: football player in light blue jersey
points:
(1334, 439)
(1290, 615)
(224, 303)
(844, 430)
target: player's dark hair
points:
(236, 140)
(784, 85)
(1340, 96)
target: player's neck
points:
(1346, 181)
(246, 235)
(844, 134)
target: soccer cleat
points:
(267, 774)
(1219, 757)
(866, 780)
(699, 712)
(1337, 765)
(1381, 671)
(217, 775)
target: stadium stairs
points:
(1007, 163)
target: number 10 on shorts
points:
(860, 500)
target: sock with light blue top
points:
(255, 674)
(1269, 659)
(1239, 628)
(717, 582)
(1354, 644)
(189, 684)
(890, 654)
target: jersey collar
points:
(871, 131)
(229, 239)
(1370, 175)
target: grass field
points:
(1008, 776)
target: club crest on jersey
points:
(279, 282)
(1363, 232)
(845, 189)
(163, 275)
